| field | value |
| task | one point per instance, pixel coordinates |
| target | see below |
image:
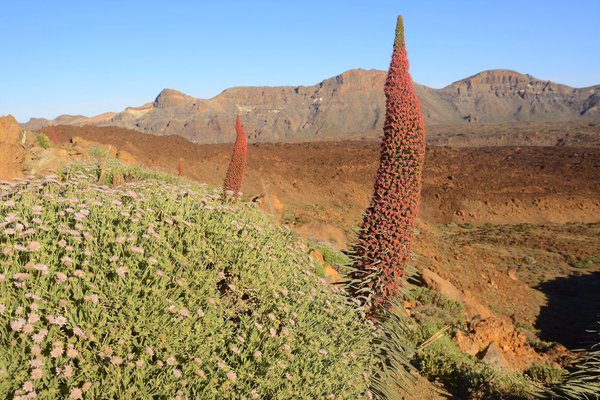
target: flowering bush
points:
(237, 165)
(383, 245)
(157, 290)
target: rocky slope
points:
(350, 103)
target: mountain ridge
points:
(348, 103)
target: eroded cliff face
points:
(12, 152)
(345, 105)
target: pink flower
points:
(71, 352)
(28, 328)
(177, 373)
(121, 272)
(60, 277)
(28, 386)
(201, 373)
(60, 320)
(39, 337)
(78, 273)
(76, 394)
(231, 375)
(322, 351)
(2, 308)
(170, 360)
(254, 394)
(43, 268)
(17, 325)
(152, 261)
(57, 351)
(116, 360)
(33, 318)
(149, 351)
(35, 363)
(34, 246)
(37, 373)
(137, 250)
(91, 297)
(79, 332)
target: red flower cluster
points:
(237, 165)
(180, 167)
(53, 136)
(383, 246)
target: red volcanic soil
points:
(332, 181)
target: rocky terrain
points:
(347, 105)
(509, 232)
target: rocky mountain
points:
(345, 105)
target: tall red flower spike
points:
(237, 165)
(53, 135)
(383, 247)
(180, 167)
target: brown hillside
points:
(346, 104)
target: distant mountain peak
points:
(171, 98)
(347, 104)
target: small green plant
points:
(42, 140)
(546, 374)
(98, 152)
(435, 308)
(330, 255)
(585, 264)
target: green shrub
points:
(42, 140)
(156, 290)
(98, 152)
(466, 376)
(331, 256)
(436, 308)
(546, 374)
(586, 263)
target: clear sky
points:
(87, 57)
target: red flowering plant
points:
(180, 167)
(383, 246)
(235, 173)
(53, 136)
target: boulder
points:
(493, 356)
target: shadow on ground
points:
(573, 307)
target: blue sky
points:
(88, 57)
